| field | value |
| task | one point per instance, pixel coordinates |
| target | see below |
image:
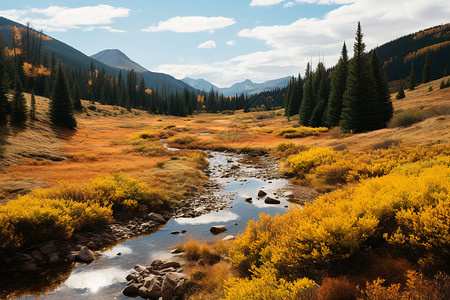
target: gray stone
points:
(174, 278)
(139, 268)
(37, 255)
(149, 281)
(261, 193)
(170, 264)
(85, 255)
(218, 229)
(156, 217)
(29, 267)
(132, 289)
(48, 248)
(166, 289)
(229, 238)
(53, 258)
(270, 200)
(91, 245)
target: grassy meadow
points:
(380, 229)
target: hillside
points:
(78, 60)
(398, 54)
(118, 59)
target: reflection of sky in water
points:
(219, 216)
(96, 279)
(123, 250)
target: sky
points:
(226, 42)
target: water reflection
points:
(94, 280)
(214, 217)
(113, 253)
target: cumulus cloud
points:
(291, 46)
(231, 43)
(288, 4)
(191, 24)
(58, 18)
(207, 45)
(265, 2)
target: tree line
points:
(353, 94)
(26, 67)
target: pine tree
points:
(18, 105)
(412, 78)
(400, 91)
(61, 107)
(338, 83)
(384, 103)
(33, 106)
(307, 107)
(3, 86)
(77, 97)
(359, 111)
(426, 75)
(317, 117)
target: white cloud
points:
(291, 46)
(58, 18)
(110, 29)
(231, 43)
(191, 24)
(288, 4)
(265, 2)
(207, 45)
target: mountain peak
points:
(118, 59)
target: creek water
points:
(105, 277)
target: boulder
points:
(132, 276)
(166, 289)
(53, 258)
(174, 278)
(139, 268)
(270, 200)
(85, 255)
(289, 195)
(156, 263)
(175, 232)
(132, 290)
(229, 238)
(218, 229)
(48, 248)
(143, 292)
(37, 255)
(156, 217)
(249, 200)
(170, 264)
(261, 193)
(29, 267)
(91, 245)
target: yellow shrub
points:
(265, 285)
(299, 132)
(148, 143)
(411, 211)
(300, 164)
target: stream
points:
(233, 178)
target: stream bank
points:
(233, 179)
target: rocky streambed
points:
(87, 266)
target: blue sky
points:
(226, 41)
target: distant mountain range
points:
(244, 87)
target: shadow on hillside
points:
(4, 134)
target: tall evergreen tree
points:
(384, 103)
(359, 111)
(3, 86)
(412, 77)
(33, 106)
(77, 97)
(426, 74)
(338, 84)
(61, 107)
(18, 105)
(400, 91)
(308, 102)
(317, 117)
